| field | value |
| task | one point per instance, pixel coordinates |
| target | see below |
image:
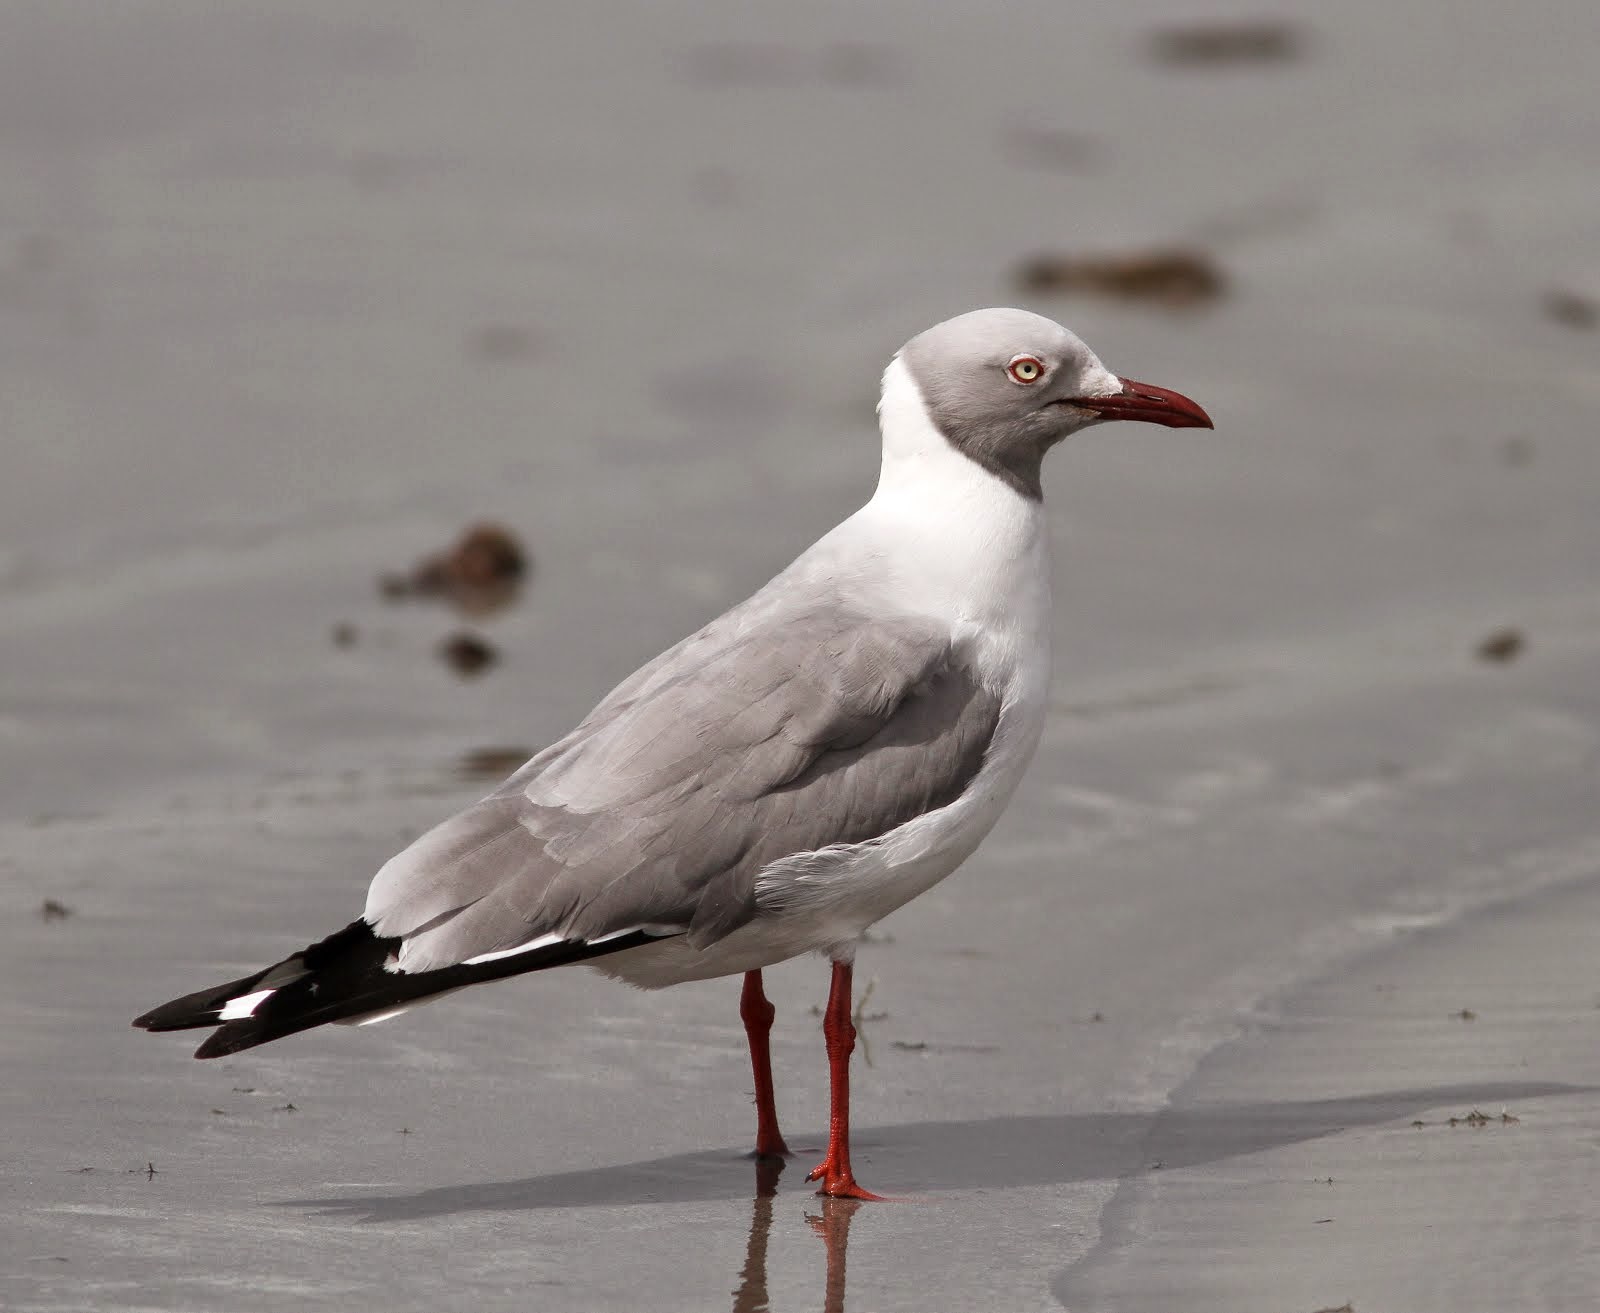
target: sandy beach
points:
(1275, 990)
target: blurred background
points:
(292, 295)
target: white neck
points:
(924, 473)
(914, 451)
(958, 531)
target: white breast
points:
(941, 538)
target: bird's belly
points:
(823, 901)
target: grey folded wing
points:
(762, 736)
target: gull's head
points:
(1004, 386)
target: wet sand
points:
(288, 299)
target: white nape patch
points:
(237, 1009)
(543, 941)
(949, 538)
(909, 435)
(933, 486)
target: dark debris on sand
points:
(481, 572)
(1475, 1119)
(1177, 278)
(468, 654)
(1502, 647)
(491, 763)
(1573, 309)
(1478, 1120)
(52, 910)
(1211, 44)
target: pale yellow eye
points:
(1025, 369)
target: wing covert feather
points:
(760, 737)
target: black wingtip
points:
(345, 977)
(229, 1039)
(198, 1009)
(174, 1015)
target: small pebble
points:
(1502, 647)
(467, 654)
(1250, 42)
(1177, 277)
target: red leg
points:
(839, 1033)
(757, 1013)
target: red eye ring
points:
(1026, 370)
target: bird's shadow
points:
(924, 1158)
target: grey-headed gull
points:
(779, 781)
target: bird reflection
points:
(751, 1296)
(832, 1224)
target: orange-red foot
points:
(771, 1149)
(837, 1184)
